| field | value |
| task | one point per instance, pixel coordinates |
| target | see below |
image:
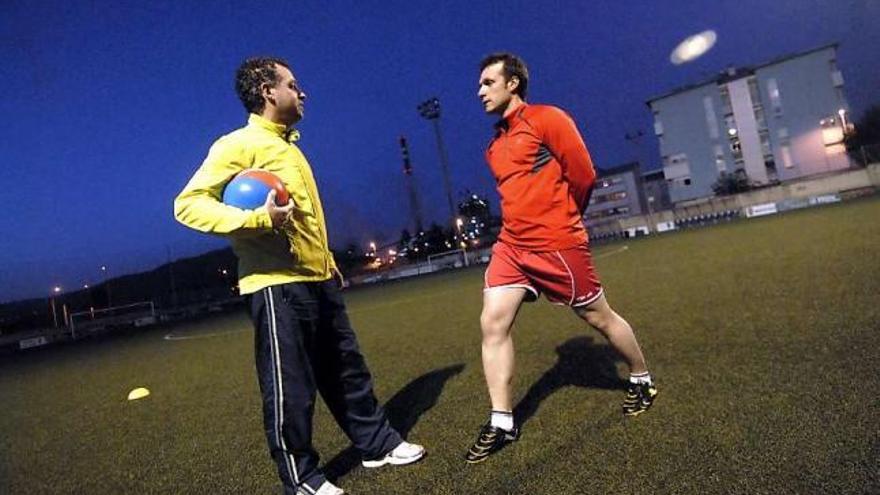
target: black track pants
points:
(304, 342)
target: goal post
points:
(137, 314)
(448, 259)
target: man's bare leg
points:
(641, 391)
(500, 307)
(618, 332)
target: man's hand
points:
(340, 279)
(278, 214)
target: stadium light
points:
(430, 110)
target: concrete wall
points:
(855, 182)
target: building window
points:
(754, 94)
(836, 75)
(785, 153)
(775, 97)
(766, 148)
(730, 123)
(736, 148)
(607, 197)
(720, 162)
(608, 182)
(610, 212)
(711, 118)
(770, 166)
(658, 126)
(759, 118)
(726, 106)
(832, 133)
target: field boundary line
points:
(611, 253)
(173, 337)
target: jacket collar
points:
(505, 123)
(288, 134)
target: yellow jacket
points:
(298, 252)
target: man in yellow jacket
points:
(304, 341)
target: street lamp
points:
(55, 291)
(462, 243)
(430, 109)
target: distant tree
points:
(405, 239)
(436, 239)
(734, 183)
(474, 206)
(350, 260)
(866, 133)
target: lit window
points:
(831, 132)
(785, 152)
(720, 162)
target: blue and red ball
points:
(248, 190)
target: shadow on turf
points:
(404, 410)
(582, 363)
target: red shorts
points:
(565, 277)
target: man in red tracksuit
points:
(544, 176)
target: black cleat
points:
(639, 397)
(490, 440)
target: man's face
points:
(495, 90)
(288, 97)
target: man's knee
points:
(495, 326)
(599, 318)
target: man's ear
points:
(513, 83)
(266, 91)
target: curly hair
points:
(250, 77)
(513, 66)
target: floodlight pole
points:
(54, 312)
(430, 109)
(55, 292)
(411, 187)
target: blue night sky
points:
(109, 107)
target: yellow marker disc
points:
(138, 393)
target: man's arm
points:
(200, 207)
(561, 136)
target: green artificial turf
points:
(762, 335)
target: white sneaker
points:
(405, 453)
(326, 489)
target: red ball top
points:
(271, 180)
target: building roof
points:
(732, 73)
